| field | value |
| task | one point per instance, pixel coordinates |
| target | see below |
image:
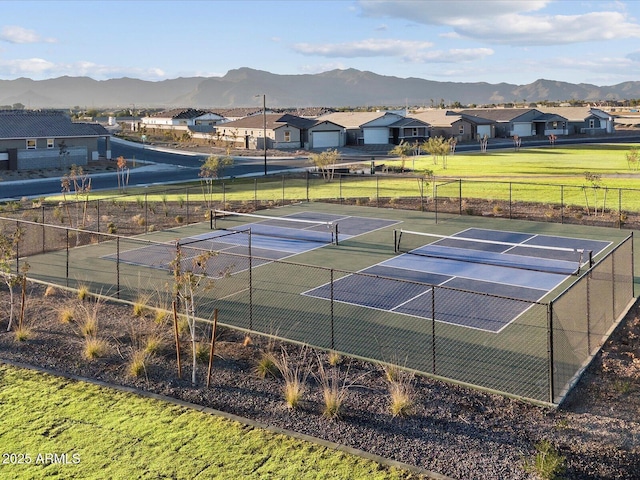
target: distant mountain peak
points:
(333, 88)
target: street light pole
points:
(264, 129)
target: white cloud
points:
(25, 67)
(454, 55)
(508, 22)
(363, 48)
(38, 68)
(15, 34)
(552, 30)
(447, 12)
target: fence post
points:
(460, 197)
(250, 282)
(332, 317)
(433, 330)
(510, 198)
(98, 213)
(255, 193)
(283, 190)
(619, 208)
(340, 187)
(377, 191)
(307, 175)
(187, 194)
(435, 200)
(67, 261)
(550, 353)
(224, 197)
(118, 267)
(561, 204)
(146, 213)
(17, 237)
(43, 231)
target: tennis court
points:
(488, 302)
(243, 241)
(510, 266)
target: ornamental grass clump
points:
(294, 372)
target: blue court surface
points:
(265, 240)
(508, 267)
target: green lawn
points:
(530, 175)
(110, 434)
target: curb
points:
(235, 418)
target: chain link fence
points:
(156, 207)
(451, 333)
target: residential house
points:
(378, 128)
(584, 120)
(448, 124)
(524, 122)
(48, 139)
(282, 131)
(182, 120)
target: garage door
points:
(376, 136)
(326, 139)
(522, 129)
(484, 130)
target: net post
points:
(395, 240)
(250, 281)
(335, 233)
(212, 221)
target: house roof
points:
(497, 114)
(17, 124)
(549, 117)
(180, 113)
(351, 119)
(409, 122)
(446, 118)
(273, 121)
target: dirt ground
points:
(459, 432)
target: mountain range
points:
(335, 88)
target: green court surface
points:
(270, 297)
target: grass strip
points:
(96, 432)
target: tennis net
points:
(281, 227)
(542, 258)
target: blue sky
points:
(514, 41)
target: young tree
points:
(122, 173)
(213, 168)
(188, 284)
(484, 141)
(325, 162)
(11, 279)
(78, 183)
(517, 142)
(595, 180)
(633, 158)
(402, 150)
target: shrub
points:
(546, 463)
(294, 375)
(267, 365)
(400, 398)
(83, 292)
(153, 345)
(65, 314)
(94, 348)
(202, 352)
(334, 358)
(137, 363)
(179, 219)
(22, 334)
